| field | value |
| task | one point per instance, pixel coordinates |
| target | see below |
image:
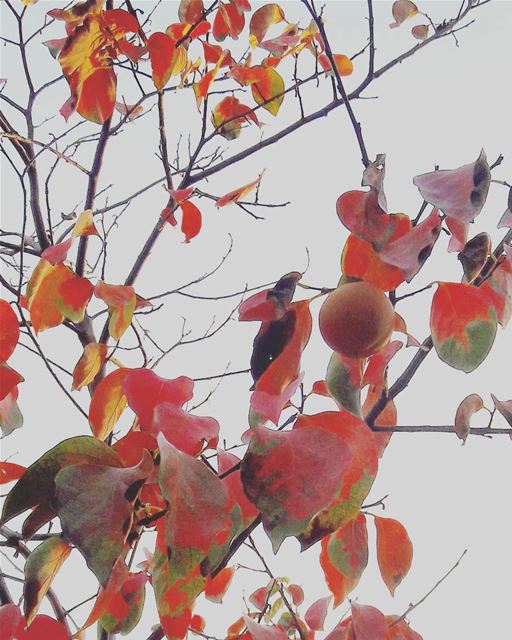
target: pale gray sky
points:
(439, 107)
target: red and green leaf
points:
(95, 506)
(463, 324)
(344, 557)
(41, 567)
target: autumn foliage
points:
(150, 462)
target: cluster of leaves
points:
(156, 475)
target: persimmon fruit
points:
(356, 319)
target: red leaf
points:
(229, 115)
(399, 629)
(131, 447)
(10, 471)
(460, 193)
(163, 56)
(297, 594)
(190, 10)
(228, 21)
(375, 371)
(145, 390)
(197, 623)
(58, 252)
(316, 614)
(356, 474)
(9, 379)
(368, 622)
(9, 330)
(74, 296)
(394, 551)
(463, 324)
(191, 221)
(190, 434)
(386, 418)
(359, 212)
(270, 304)
(344, 557)
(233, 484)
(470, 405)
(259, 598)
(264, 632)
(215, 588)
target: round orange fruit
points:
(356, 320)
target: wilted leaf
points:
(107, 404)
(344, 557)
(89, 365)
(275, 362)
(410, 251)
(470, 405)
(95, 506)
(504, 407)
(463, 325)
(270, 304)
(41, 567)
(402, 9)
(236, 195)
(261, 20)
(474, 255)
(420, 31)
(459, 193)
(394, 551)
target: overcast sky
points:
(439, 107)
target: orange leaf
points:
(89, 364)
(121, 301)
(394, 551)
(165, 58)
(229, 115)
(228, 21)
(266, 84)
(215, 588)
(43, 294)
(107, 404)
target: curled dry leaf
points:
(402, 9)
(504, 407)
(420, 31)
(474, 255)
(470, 405)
